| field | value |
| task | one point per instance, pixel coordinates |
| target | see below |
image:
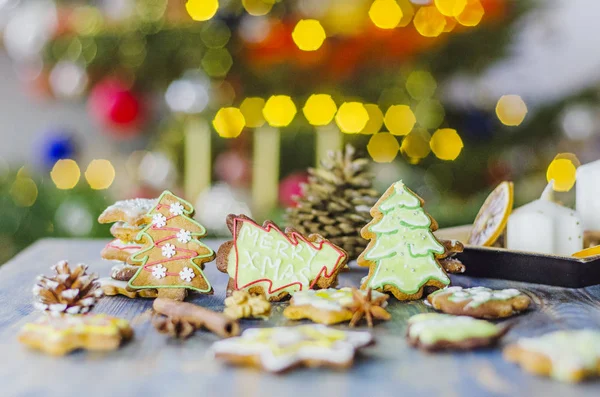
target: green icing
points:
(405, 248)
(262, 256)
(569, 351)
(430, 328)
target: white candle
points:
(588, 195)
(544, 226)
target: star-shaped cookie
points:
(281, 348)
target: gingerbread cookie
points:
(127, 233)
(326, 306)
(434, 331)
(279, 349)
(479, 302)
(568, 356)
(173, 256)
(59, 335)
(123, 272)
(133, 212)
(403, 252)
(118, 250)
(112, 287)
(448, 260)
(265, 260)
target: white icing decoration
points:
(168, 250)
(477, 295)
(36, 289)
(176, 209)
(40, 306)
(329, 299)
(133, 208)
(283, 347)
(159, 271)
(159, 220)
(73, 310)
(184, 236)
(187, 274)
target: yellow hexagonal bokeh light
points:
(399, 119)
(564, 173)
(100, 174)
(279, 111)
(24, 192)
(446, 144)
(258, 7)
(450, 8)
(229, 122)
(319, 109)
(511, 110)
(352, 117)
(450, 24)
(416, 145)
(472, 14)
(383, 147)
(202, 10)
(375, 119)
(252, 110)
(65, 174)
(385, 14)
(309, 34)
(429, 22)
(408, 12)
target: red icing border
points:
(296, 236)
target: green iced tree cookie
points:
(402, 251)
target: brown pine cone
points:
(336, 201)
(67, 291)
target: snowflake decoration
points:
(187, 274)
(184, 236)
(168, 250)
(159, 271)
(159, 220)
(176, 209)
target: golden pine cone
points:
(67, 291)
(336, 201)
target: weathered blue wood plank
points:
(154, 365)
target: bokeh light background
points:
(227, 102)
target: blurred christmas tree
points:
(160, 72)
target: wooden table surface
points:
(151, 364)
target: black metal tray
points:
(560, 271)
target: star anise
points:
(174, 327)
(364, 305)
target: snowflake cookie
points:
(568, 356)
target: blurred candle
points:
(328, 138)
(544, 226)
(588, 195)
(265, 171)
(197, 158)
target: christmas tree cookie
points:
(402, 254)
(265, 260)
(173, 256)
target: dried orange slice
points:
(586, 253)
(493, 215)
